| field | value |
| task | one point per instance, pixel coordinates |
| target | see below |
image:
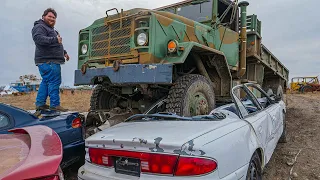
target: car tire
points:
(254, 170)
(283, 137)
(191, 95)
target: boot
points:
(59, 108)
(43, 107)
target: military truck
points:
(188, 55)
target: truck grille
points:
(111, 35)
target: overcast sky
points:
(289, 29)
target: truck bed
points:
(270, 61)
(258, 53)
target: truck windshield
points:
(200, 11)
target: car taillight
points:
(150, 162)
(76, 123)
(100, 157)
(156, 163)
(192, 166)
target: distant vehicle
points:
(69, 126)
(305, 84)
(31, 153)
(234, 141)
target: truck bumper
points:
(128, 74)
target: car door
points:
(252, 112)
(274, 111)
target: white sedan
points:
(235, 141)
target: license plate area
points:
(128, 166)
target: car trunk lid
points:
(155, 136)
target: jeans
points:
(51, 80)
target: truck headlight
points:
(84, 49)
(142, 39)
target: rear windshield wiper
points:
(170, 116)
(157, 116)
(213, 117)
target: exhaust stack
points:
(243, 37)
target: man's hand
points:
(67, 57)
(59, 39)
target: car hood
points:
(155, 136)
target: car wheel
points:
(254, 170)
(190, 96)
(283, 137)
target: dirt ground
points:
(303, 125)
(303, 128)
(80, 101)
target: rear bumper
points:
(93, 172)
(128, 74)
(73, 153)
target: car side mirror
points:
(272, 96)
(278, 98)
(275, 98)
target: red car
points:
(31, 153)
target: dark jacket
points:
(48, 48)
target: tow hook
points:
(84, 68)
(116, 65)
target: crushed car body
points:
(232, 142)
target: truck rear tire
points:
(280, 92)
(269, 92)
(277, 90)
(191, 95)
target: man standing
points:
(49, 55)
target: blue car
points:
(70, 127)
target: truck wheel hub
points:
(199, 105)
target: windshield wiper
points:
(170, 116)
(157, 116)
(213, 117)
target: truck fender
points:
(216, 60)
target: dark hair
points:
(49, 10)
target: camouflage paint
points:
(163, 27)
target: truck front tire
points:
(191, 95)
(102, 99)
